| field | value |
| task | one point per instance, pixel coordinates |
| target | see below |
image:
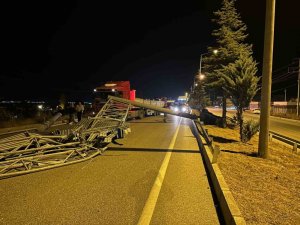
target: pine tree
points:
(230, 35)
(198, 98)
(240, 83)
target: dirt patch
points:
(266, 190)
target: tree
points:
(230, 35)
(198, 98)
(240, 83)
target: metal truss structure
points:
(31, 152)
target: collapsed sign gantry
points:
(29, 152)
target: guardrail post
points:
(295, 147)
(205, 133)
(271, 137)
(215, 154)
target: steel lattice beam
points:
(30, 152)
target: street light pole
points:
(200, 67)
(215, 51)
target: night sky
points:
(50, 48)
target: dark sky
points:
(50, 48)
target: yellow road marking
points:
(154, 193)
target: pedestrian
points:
(79, 109)
(166, 106)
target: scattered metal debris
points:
(28, 152)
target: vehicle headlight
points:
(176, 109)
(183, 109)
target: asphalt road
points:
(283, 126)
(157, 176)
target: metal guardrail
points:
(226, 203)
(203, 131)
(215, 149)
(290, 141)
(285, 139)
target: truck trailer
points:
(122, 89)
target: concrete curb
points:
(228, 205)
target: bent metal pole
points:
(155, 108)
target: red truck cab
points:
(122, 89)
(115, 88)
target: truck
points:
(122, 89)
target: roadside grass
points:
(266, 190)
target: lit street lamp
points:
(201, 76)
(215, 51)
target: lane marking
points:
(148, 210)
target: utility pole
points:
(263, 145)
(298, 88)
(285, 95)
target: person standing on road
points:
(165, 115)
(79, 109)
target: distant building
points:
(183, 98)
(281, 103)
(282, 108)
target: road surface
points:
(156, 177)
(286, 127)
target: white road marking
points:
(154, 193)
